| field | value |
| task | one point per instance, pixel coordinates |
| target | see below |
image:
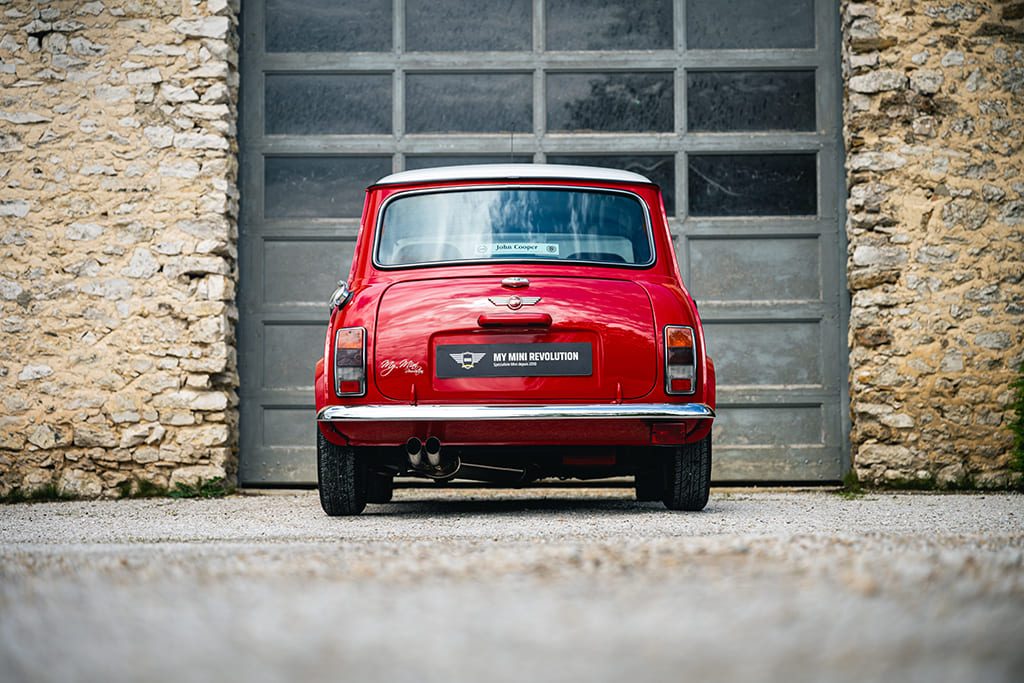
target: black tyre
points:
(379, 488)
(341, 476)
(688, 476)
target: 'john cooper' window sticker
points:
(516, 249)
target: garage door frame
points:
(827, 461)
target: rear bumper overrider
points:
(658, 412)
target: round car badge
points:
(515, 303)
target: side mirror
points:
(340, 297)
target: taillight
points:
(350, 361)
(680, 360)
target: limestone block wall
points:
(933, 125)
(118, 206)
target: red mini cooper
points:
(507, 323)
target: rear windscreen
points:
(514, 224)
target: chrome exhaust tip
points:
(414, 449)
(432, 446)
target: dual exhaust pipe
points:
(428, 458)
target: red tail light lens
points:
(680, 360)
(350, 361)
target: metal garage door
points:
(732, 106)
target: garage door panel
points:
(304, 272)
(290, 350)
(270, 456)
(768, 425)
(327, 25)
(469, 103)
(315, 104)
(636, 102)
(753, 184)
(749, 24)
(319, 187)
(781, 464)
(766, 353)
(608, 24)
(295, 465)
(733, 100)
(286, 426)
(761, 269)
(467, 25)
(281, 465)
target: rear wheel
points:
(341, 476)
(688, 476)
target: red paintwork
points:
(406, 312)
(613, 315)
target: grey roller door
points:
(732, 106)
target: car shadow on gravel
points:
(533, 506)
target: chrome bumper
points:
(461, 413)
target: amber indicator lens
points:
(349, 338)
(679, 337)
(350, 361)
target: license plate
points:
(514, 360)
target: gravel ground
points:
(512, 585)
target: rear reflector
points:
(350, 361)
(680, 359)
(668, 433)
(351, 387)
(682, 386)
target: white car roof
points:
(512, 172)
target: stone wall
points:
(934, 102)
(118, 165)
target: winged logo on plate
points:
(467, 359)
(514, 302)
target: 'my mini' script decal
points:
(410, 367)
